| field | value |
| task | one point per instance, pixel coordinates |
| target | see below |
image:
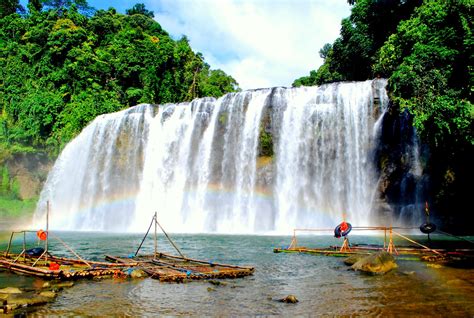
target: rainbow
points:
(213, 191)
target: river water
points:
(323, 285)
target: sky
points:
(261, 43)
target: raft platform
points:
(39, 262)
(416, 252)
(68, 269)
(170, 268)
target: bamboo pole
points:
(345, 245)
(21, 253)
(391, 247)
(203, 262)
(412, 241)
(72, 251)
(156, 238)
(24, 246)
(146, 234)
(169, 239)
(47, 230)
(45, 253)
(29, 269)
(9, 244)
(294, 242)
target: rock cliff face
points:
(28, 172)
(403, 186)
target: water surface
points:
(323, 285)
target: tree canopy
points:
(140, 8)
(425, 49)
(60, 67)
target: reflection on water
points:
(323, 285)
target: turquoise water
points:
(323, 285)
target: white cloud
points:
(260, 43)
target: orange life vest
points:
(42, 235)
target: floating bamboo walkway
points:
(69, 269)
(416, 252)
(165, 267)
(52, 267)
(171, 268)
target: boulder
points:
(10, 290)
(217, 283)
(290, 299)
(49, 294)
(30, 300)
(351, 260)
(377, 263)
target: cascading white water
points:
(324, 156)
(197, 163)
(94, 181)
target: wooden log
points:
(203, 262)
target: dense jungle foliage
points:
(62, 63)
(425, 49)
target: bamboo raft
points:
(69, 269)
(416, 252)
(171, 268)
(406, 253)
(53, 267)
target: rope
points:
(458, 237)
(169, 239)
(363, 228)
(143, 240)
(71, 250)
(410, 240)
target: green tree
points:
(59, 69)
(8, 7)
(325, 50)
(362, 34)
(429, 64)
(425, 48)
(62, 6)
(140, 8)
(216, 83)
(35, 5)
(429, 60)
(5, 181)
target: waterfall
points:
(413, 183)
(199, 164)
